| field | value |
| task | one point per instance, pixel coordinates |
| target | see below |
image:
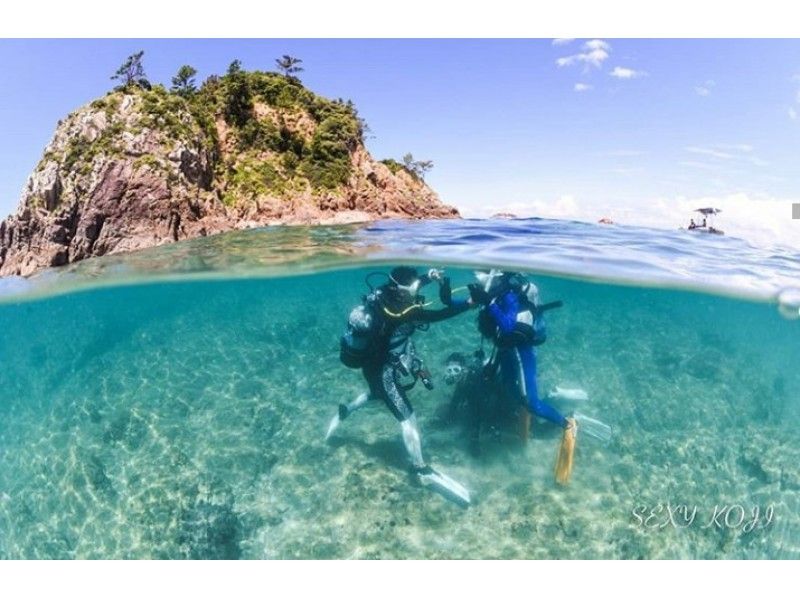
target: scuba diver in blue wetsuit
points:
(378, 342)
(511, 318)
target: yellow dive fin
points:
(566, 452)
(524, 424)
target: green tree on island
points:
(131, 73)
(183, 83)
(418, 168)
(238, 97)
(289, 65)
(235, 67)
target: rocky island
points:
(146, 165)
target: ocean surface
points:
(173, 403)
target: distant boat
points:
(707, 224)
(605, 220)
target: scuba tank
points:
(364, 336)
(530, 325)
(362, 333)
(532, 318)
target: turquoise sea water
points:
(173, 403)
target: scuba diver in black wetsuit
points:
(378, 341)
(474, 394)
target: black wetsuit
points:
(475, 392)
(385, 372)
(478, 396)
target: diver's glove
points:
(445, 292)
(478, 295)
(435, 274)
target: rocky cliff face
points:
(139, 168)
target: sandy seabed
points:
(187, 421)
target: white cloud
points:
(563, 41)
(693, 164)
(623, 153)
(582, 87)
(762, 221)
(595, 53)
(793, 114)
(773, 178)
(733, 151)
(627, 171)
(705, 88)
(707, 151)
(597, 44)
(565, 207)
(739, 147)
(620, 72)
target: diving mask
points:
(452, 373)
(411, 289)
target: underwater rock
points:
(668, 363)
(760, 471)
(248, 388)
(126, 429)
(705, 365)
(96, 473)
(267, 421)
(211, 529)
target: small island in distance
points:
(146, 165)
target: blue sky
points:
(573, 128)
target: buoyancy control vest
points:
(529, 327)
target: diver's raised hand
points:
(434, 274)
(478, 295)
(445, 291)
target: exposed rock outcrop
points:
(139, 168)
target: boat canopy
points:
(708, 211)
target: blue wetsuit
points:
(518, 361)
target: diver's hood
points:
(490, 280)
